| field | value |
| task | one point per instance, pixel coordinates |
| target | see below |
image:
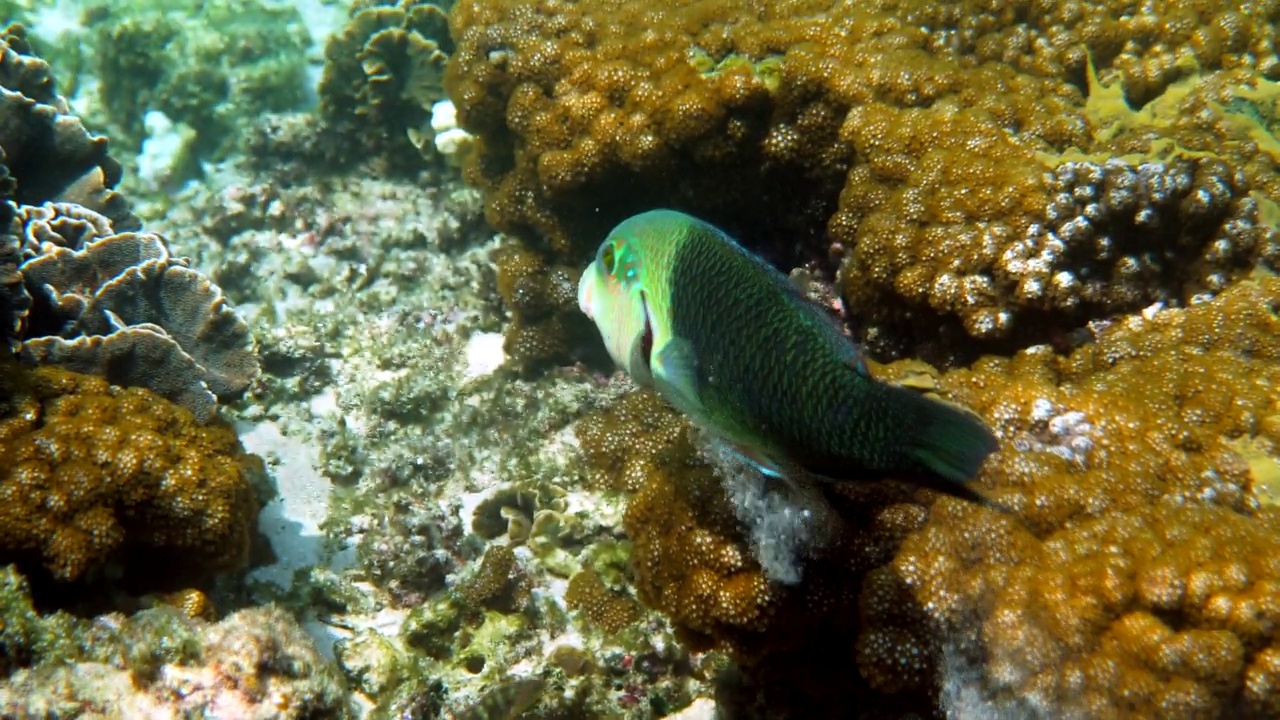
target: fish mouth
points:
(646, 339)
(640, 354)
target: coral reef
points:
(256, 663)
(45, 154)
(382, 75)
(540, 332)
(15, 302)
(1130, 567)
(932, 152)
(99, 476)
(611, 611)
(478, 567)
(82, 290)
(119, 305)
(211, 66)
(380, 351)
(498, 583)
(1142, 552)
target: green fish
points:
(728, 340)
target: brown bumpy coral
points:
(95, 474)
(693, 562)
(540, 331)
(960, 160)
(1133, 572)
(1143, 573)
(630, 442)
(499, 583)
(610, 611)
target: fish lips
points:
(586, 290)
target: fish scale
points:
(777, 361)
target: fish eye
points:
(609, 257)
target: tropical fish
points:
(728, 339)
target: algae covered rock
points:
(256, 663)
(212, 66)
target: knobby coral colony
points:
(115, 462)
(1095, 280)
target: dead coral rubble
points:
(256, 663)
(96, 474)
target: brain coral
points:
(120, 306)
(1133, 573)
(95, 474)
(962, 162)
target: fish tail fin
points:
(940, 439)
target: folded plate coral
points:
(83, 290)
(120, 306)
(46, 152)
(383, 71)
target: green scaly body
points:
(770, 371)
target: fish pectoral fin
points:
(675, 372)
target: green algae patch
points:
(1264, 470)
(767, 70)
(1255, 112)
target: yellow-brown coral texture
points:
(693, 563)
(957, 159)
(1139, 576)
(610, 611)
(95, 474)
(1134, 573)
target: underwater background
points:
(299, 417)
